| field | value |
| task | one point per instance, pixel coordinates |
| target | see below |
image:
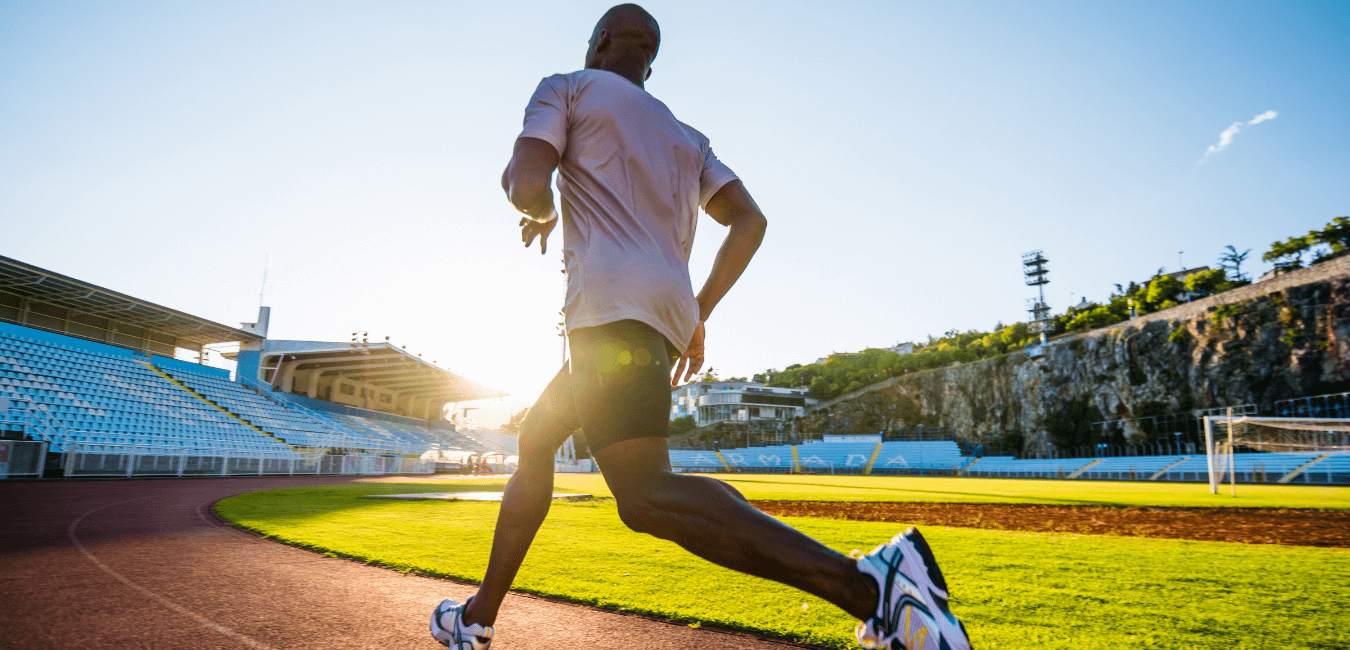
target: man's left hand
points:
(692, 360)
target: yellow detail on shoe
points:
(916, 639)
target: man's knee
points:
(539, 441)
(640, 512)
(532, 448)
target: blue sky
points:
(906, 154)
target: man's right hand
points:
(692, 360)
(529, 229)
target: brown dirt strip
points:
(1288, 526)
(144, 564)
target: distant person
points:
(632, 179)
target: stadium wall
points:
(187, 366)
(331, 407)
(1276, 342)
(52, 338)
(246, 364)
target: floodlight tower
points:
(1033, 268)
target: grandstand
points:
(91, 375)
(89, 385)
(843, 457)
(901, 457)
(944, 458)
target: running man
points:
(632, 179)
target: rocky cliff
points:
(1145, 377)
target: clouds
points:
(1268, 115)
(1226, 137)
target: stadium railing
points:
(149, 460)
(22, 458)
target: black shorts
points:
(616, 387)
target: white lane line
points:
(208, 623)
(211, 521)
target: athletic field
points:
(1013, 589)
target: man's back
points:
(632, 178)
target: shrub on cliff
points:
(843, 373)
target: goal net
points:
(1298, 441)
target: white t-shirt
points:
(632, 179)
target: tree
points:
(681, 424)
(1288, 254)
(1231, 263)
(1207, 283)
(1335, 235)
(1163, 288)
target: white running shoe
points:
(912, 613)
(447, 626)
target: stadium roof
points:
(381, 365)
(42, 299)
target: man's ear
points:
(649, 73)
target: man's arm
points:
(731, 206)
(528, 182)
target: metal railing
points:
(36, 421)
(1335, 405)
(92, 459)
(22, 458)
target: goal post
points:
(1226, 434)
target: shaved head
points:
(626, 34)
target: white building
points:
(737, 401)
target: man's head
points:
(625, 42)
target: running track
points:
(144, 564)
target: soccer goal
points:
(1292, 445)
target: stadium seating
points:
(1335, 469)
(694, 459)
(1008, 467)
(778, 457)
(1130, 468)
(105, 396)
(294, 427)
(904, 455)
(841, 457)
(406, 436)
(108, 399)
(489, 440)
(390, 431)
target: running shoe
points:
(447, 626)
(912, 613)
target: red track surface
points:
(144, 564)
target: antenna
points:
(263, 290)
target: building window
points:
(346, 389)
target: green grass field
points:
(1013, 589)
(986, 490)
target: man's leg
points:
(710, 519)
(528, 496)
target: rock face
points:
(1144, 378)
